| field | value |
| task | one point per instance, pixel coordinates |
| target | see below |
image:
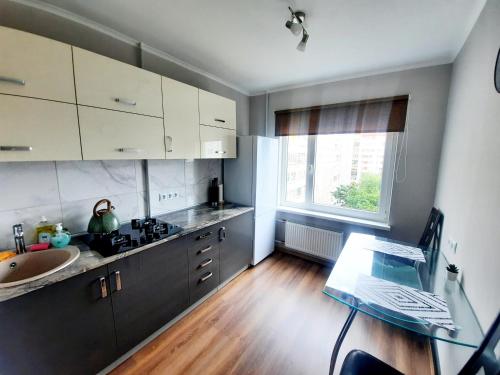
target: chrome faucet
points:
(19, 238)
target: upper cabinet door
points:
(217, 111)
(108, 135)
(34, 129)
(217, 143)
(34, 66)
(106, 83)
(182, 129)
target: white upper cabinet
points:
(182, 128)
(34, 66)
(108, 135)
(34, 129)
(216, 110)
(106, 83)
(217, 143)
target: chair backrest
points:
(432, 230)
(485, 357)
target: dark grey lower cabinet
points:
(149, 290)
(236, 246)
(66, 328)
(82, 324)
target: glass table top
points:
(356, 264)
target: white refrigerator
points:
(252, 180)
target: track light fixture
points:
(296, 26)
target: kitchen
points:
(144, 199)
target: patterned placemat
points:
(404, 300)
(403, 251)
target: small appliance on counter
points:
(215, 193)
(131, 235)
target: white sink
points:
(24, 268)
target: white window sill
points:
(339, 218)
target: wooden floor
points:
(273, 319)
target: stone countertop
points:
(190, 220)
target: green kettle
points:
(103, 221)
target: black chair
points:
(432, 230)
(358, 362)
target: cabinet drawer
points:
(182, 128)
(217, 143)
(117, 135)
(106, 83)
(34, 66)
(203, 235)
(203, 282)
(200, 266)
(216, 110)
(207, 248)
(34, 129)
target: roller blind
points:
(364, 116)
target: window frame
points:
(388, 169)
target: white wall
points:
(469, 176)
(428, 87)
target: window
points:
(343, 174)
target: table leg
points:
(340, 338)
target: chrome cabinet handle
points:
(222, 233)
(125, 101)
(15, 81)
(219, 120)
(221, 152)
(206, 277)
(104, 288)
(204, 235)
(130, 150)
(205, 263)
(202, 251)
(170, 140)
(118, 280)
(16, 148)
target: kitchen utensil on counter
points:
(103, 220)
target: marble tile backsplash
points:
(67, 191)
(186, 181)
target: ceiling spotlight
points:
(296, 26)
(295, 23)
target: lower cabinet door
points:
(148, 290)
(108, 135)
(237, 245)
(217, 143)
(65, 328)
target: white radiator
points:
(318, 242)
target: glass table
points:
(356, 262)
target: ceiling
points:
(245, 43)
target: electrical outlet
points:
(168, 196)
(452, 244)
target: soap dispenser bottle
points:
(44, 230)
(61, 238)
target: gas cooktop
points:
(137, 233)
